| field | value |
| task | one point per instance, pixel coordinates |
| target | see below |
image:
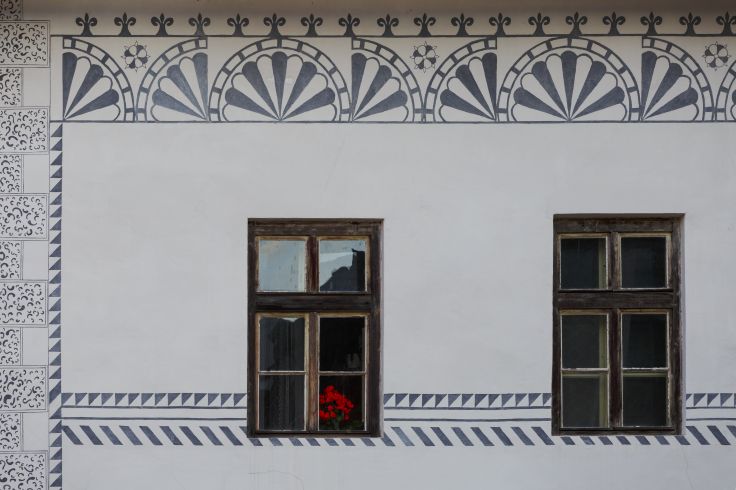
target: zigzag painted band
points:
(152, 400)
(403, 435)
(54, 305)
(443, 401)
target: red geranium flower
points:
(334, 408)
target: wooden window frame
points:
(312, 304)
(616, 301)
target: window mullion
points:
(614, 346)
(614, 254)
(312, 377)
(312, 267)
(611, 267)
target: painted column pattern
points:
(24, 223)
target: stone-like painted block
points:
(11, 9)
(10, 259)
(24, 43)
(11, 87)
(10, 431)
(23, 388)
(23, 216)
(25, 471)
(22, 303)
(24, 130)
(10, 346)
(11, 174)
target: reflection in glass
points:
(341, 343)
(281, 402)
(644, 340)
(281, 265)
(584, 400)
(341, 403)
(342, 265)
(584, 341)
(583, 263)
(643, 262)
(645, 400)
(281, 344)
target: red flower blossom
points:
(334, 407)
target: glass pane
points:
(281, 265)
(342, 265)
(645, 400)
(341, 403)
(281, 402)
(644, 340)
(585, 400)
(341, 343)
(583, 263)
(643, 262)
(282, 344)
(584, 341)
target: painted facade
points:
(165, 132)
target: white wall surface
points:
(581, 468)
(155, 251)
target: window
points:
(616, 359)
(314, 335)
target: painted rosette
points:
(88, 92)
(667, 93)
(280, 87)
(470, 95)
(377, 94)
(569, 87)
(182, 91)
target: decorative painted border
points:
(435, 420)
(240, 26)
(184, 99)
(404, 434)
(153, 400)
(26, 388)
(425, 401)
(54, 306)
(569, 76)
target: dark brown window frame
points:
(614, 300)
(311, 304)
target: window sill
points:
(634, 431)
(314, 435)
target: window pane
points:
(644, 340)
(282, 344)
(583, 263)
(584, 400)
(341, 403)
(645, 400)
(281, 402)
(281, 265)
(584, 341)
(342, 265)
(341, 343)
(643, 262)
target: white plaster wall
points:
(155, 229)
(154, 246)
(579, 468)
(155, 270)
